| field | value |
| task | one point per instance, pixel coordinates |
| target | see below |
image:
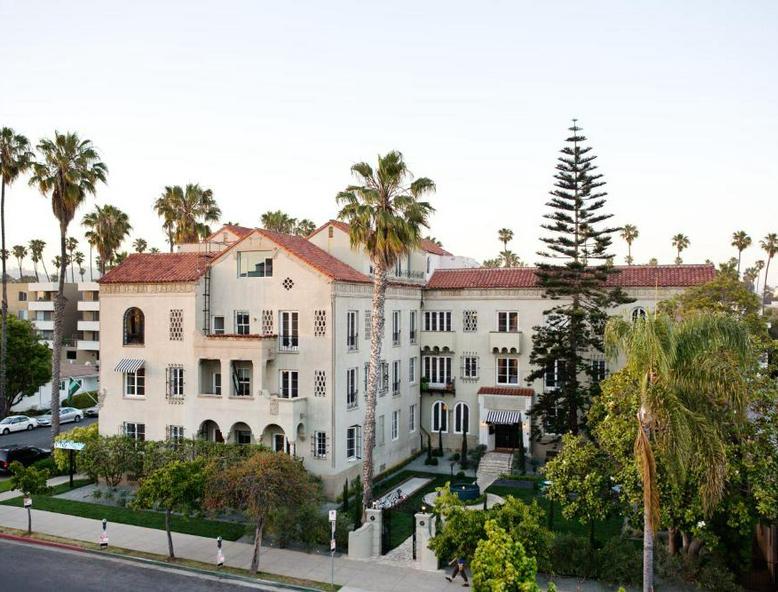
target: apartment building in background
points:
(18, 297)
(88, 323)
(255, 336)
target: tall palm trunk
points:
(648, 552)
(56, 356)
(764, 283)
(376, 339)
(91, 272)
(647, 466)
(629, 251)
(739, 255)
(169, 535)
(4, 339)
(45, 271)
(35, 269)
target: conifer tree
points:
(574, 271)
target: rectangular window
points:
(412, 326)
(242, 323)
(368, 324)
(136, 431)
(175, 381)
(135, 383)
(395, 425)
(255, 264)
(470, 321)
(470, 367)
(218, 325)
(599, 370)
(383, 378)
(396, 377)
(289, 384)
(241, 378)
(351, 388)
(412, 419)
(217, 383)
(412, 370)
(289, 338)
(396, 327)
(320, 445)
(175, 433)
(507, 371)
(380, 433)
(22, 296)
(243, 437)
(352, 318)
(354, 443)
(437, 320)
(437, 370)
(508, 321)
(553, 376)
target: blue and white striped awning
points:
(129, 366)
(500, 417)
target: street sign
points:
(332, 545)
(27, 502)
(69, 445)
(333, 515)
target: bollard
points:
(219, 553)
(103, 540)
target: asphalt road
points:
(40, 437)
(32, 568)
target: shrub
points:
(431, 461)
(454, 456)
(620, 561)
(111, 458)
(50, 466)
(87, 435)
(571, 556)
(83, 400)
(461, 474)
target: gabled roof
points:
(317, 258)
(426, 244)
(631, 276)
(151, 268)
(239, 231)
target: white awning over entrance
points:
(129, 365)
(500, 417)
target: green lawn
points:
(603, 529)
(5, 485)
(230, 531)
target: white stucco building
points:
(256, 336)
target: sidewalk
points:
(354, 575)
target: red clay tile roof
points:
(632, 276)
(426, 245)
(515, 391)
(239, 231)
(142, 268)
(317, 258)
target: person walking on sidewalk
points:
(459, 569)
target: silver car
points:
(66, 415)
(17, 423)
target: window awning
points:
(499, 417)
(129, 365)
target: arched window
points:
(638, 313)
(461, 418)
(439, 417)
(134, 327)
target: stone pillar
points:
(226, 377)
(425, 530)
(256, 377)
(375, 518)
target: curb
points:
(154, 562)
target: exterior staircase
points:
(492, 465)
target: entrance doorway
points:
(506, 437)
(279, 441)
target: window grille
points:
(176, 324)
(319, 383)
(319, 323)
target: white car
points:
(17, 423)
(66, 414)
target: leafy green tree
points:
(680, 242)
(678, 367)
(107, 226)
(30, 365)
(111, 458)
(575, 268)
(257, 487)
(88, 435)
(30, 481)
(15, 159)
(68, 169)
(386, 216)
(741, 241)
(177, 487)
(629, 233)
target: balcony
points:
(501, 342)
(88, 305)
(445, 388)
(43, 325)
(288, 343)
(88, 325)
(88, 345)
(352, 342)
(287, 413)
(438, 341)
(40, 305)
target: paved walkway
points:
(355, 576)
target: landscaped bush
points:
(86, 435)
(50, 466)
(308, 527)
(708, 572)
(620, 561)
(83, 400)
(431, 461)
(571, 556)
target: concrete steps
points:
(492, 465)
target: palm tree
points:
(20, 252)
(770, 246)
(681, 401)
(72, 245)
(629, 233)
(119, 257)
(304, 227)
(186, 212)
(139, 245)
(36, 255)
(680, 242)
(505, 235)
(493, 263)
(166, 209)
(433, 240)
(153, 250)
(653, 261)
(510, 259)
(68, 170)
(759, 266)
(278, 221)
(386, 217)
(749, 277)
(78, 258)
(108, 227)
(15, 159)
(741, 241)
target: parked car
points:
(91, 412)
(24, 454)
(66, 415)
(17, 423)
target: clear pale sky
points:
(269, 104)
